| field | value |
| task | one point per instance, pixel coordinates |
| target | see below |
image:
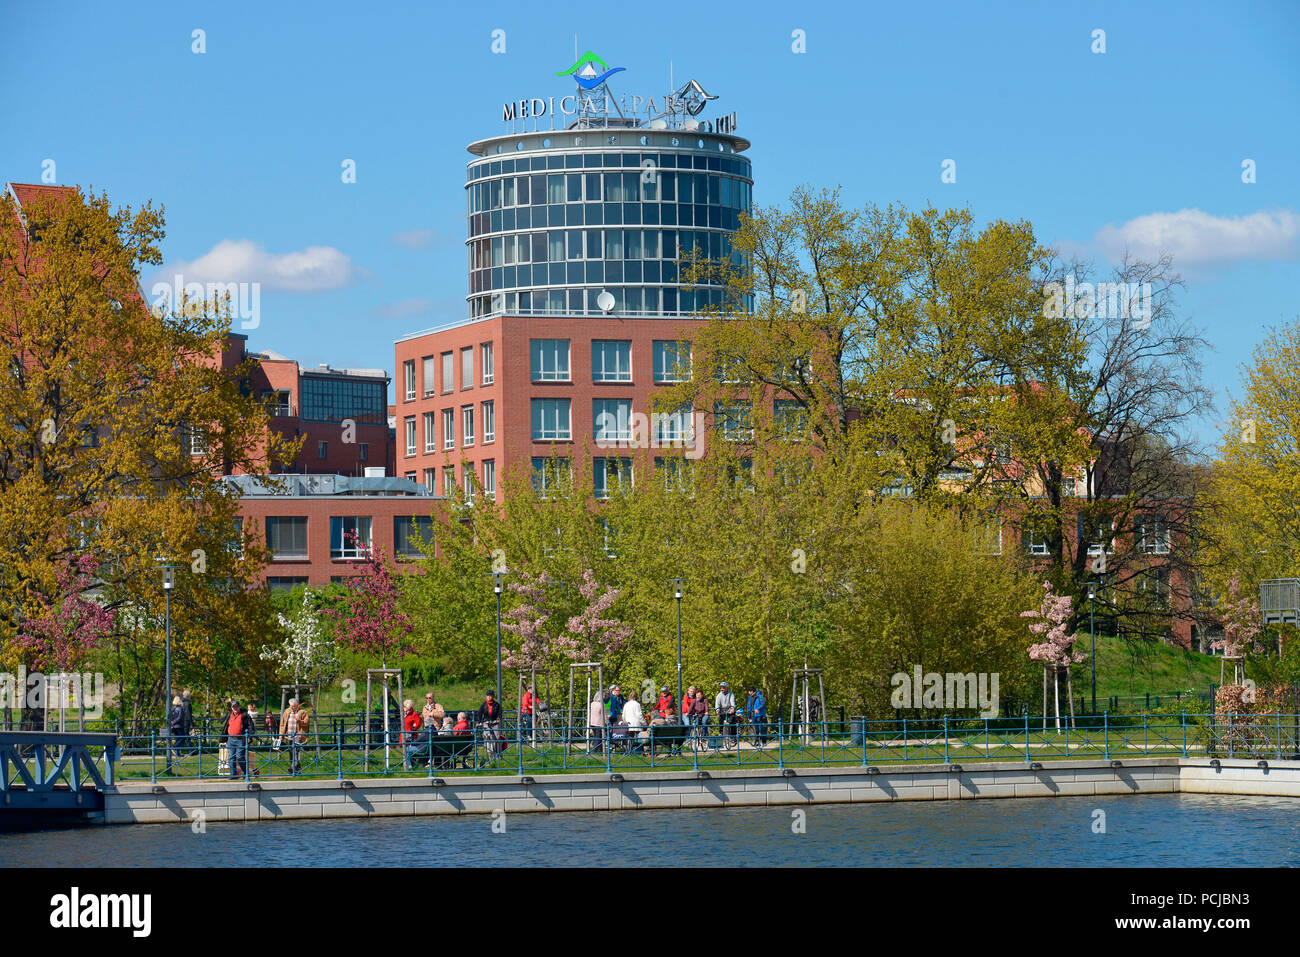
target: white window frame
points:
(430, 438)
(488, 362)
(490, 479)
(600, 371)
(542, 350)
(410, 435)
(489, 421)
(467, 367)
(466, 426)
(560, 433)
(408, 378)
(448, 428)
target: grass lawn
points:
(1133, 670)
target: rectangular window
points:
(363, 451)
(286, 538)
(790, 419)
(489, 421)
(410, 476)
(467, 425)
(447, 363)
(430, 442)
(1099, 534)
(548, 473)
(733, 421)
(469, 483)
(467, 368)
(322, 449)
(611, 473)
(490, 479)
(448, 428)
(489, 365)
(612, 419)
(284, 583)
(408, 377)
(1152, 534)
(611, 360)
(410, 435)
(429, 478)
(551, 420)
(672, 361)
(988, 538)
(409, 533)
(430, 370)
(198, 442)
(349, 536)
(281, 402)
(449, 481)
(548, 360)
(675, 472)
(677, 426)
(1034, 539)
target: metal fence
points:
(342, 754)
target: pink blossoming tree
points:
(1057, 651)
(69, 626)
(1242, 625)
(369, 617)
(589, 635)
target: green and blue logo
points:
(591, 71)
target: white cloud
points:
(1195, 237)
(314, 269)
(402, 310)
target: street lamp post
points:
(497, 588)
(677, 594)
(1092, 636)
(169, 580)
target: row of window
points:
(350, 536)
(649, 185)
(628, 300)
(605, 214)
(611, 360)
(735, 166)
(612, 421)
(447, 361)
(1150, 535)
(611, 473)
(608, 245)
(467, 432)
(472, 482)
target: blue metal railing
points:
(340, 753)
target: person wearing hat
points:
(725, 705)
(616, 703)
(666, 702)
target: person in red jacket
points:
(666, 702)
(462, 724)
(411, 722)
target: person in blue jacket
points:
(756, 711)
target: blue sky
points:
(244, 143)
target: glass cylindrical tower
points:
(592, 221)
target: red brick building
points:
(484, 397)
(309, 524)
(340, 413)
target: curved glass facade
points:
(557, 218)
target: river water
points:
(1155, 830)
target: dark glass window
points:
(333, 399)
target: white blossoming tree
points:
(305, 654)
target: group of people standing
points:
(619, 717)
(239, 731)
